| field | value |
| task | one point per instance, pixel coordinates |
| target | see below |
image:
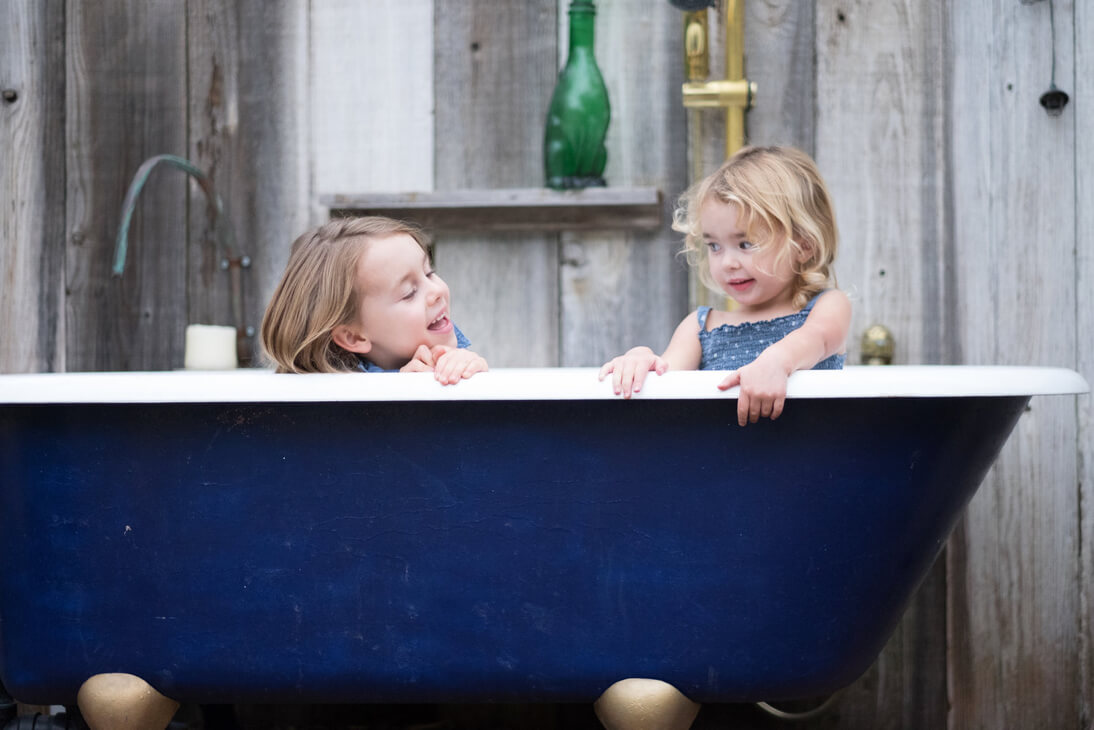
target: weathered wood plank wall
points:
(126, 100)
(961, 203)
(1083, 100)
(372, 96)
(247, 128)
(32, 185)
(1014, 594)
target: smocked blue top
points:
(732, 346)
(367, 367)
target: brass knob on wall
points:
(877, 345)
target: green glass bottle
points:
(577, 120)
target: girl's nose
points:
(731, 261)
(437, 288)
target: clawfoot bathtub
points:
(245, 537)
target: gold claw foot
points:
(645, 704)
(123, 702)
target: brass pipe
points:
(735, 71)
(696, 68)
(696, 45)
(734, 93)
(734, 96)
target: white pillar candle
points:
(210, 347)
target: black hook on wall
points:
(1054, 100)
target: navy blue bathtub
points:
(522, 536)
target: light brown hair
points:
(317, 293)
(782, 201)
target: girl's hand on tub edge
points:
(629, 371)
(422, 362)
(763, 392)
(455, 364)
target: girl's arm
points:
(629, 370)
(763, 381)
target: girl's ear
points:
(344, 336)
(805, 250)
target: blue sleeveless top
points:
(365, 366)
(732, 346)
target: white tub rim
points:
(522, 384)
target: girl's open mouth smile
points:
(440, 324)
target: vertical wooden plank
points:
(494, 71)
(619, 290)
(372, 95)
(1015, 598)
(248, 111)
(126, 101)
(880, 145)
(780, 58)
(1081, 90)
(32, 232)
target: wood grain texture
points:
(780, 59)
(521, 209)
(126, 101)
(494, 71)
(248, 119)
(372, 95)
(32, 232)
(880, 146)
(1082, 101)
(1015, 654)
(621, 289)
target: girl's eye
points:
(410, 294)
(746, 245)
(431, 273)
(714, 247)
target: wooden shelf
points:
(524, 209)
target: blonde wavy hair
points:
(317, 293)
(783, 203)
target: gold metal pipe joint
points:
(878, 345)
(724, 93)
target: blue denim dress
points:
(732, 346)
(367, 367)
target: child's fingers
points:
(639, 379)
(606, 368)
(456, 365)
(477, 365)
(777, 409)
(623, 379)
(448, 371)
(424, 355)
(731, 380)
(421, 362)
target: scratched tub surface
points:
(525, 535)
